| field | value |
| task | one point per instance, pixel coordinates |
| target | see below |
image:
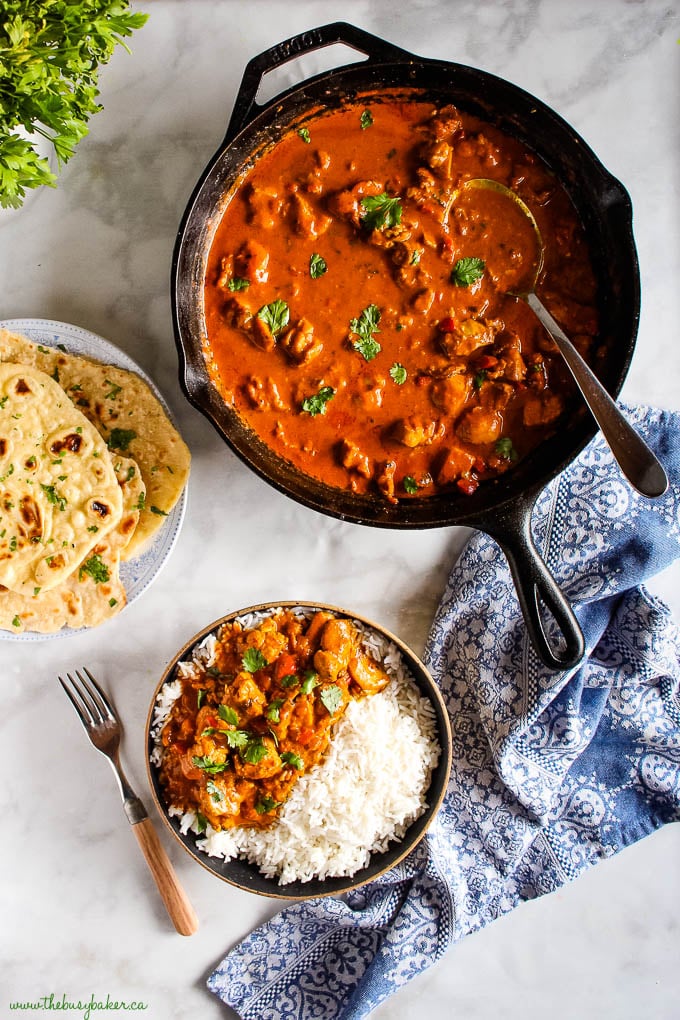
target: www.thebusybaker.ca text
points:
(83, 1006)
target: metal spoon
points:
(634, 457)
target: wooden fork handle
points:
(175, 899)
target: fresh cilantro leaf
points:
(398, 373)
(94, 568)
(16, 622)
(310, 681)
(214, 791)
(305, 135)
(316, 404)
(289, 680)
(317, 266)
(227, 715)
(113, 602)
(293, 759)
(254, 751)
(366, 119)
(380, 212)
(253, 659)
(266, 804)
(505, 449)
(479, 379)
(410, 484)
(52, 496)
(201, 822)
(365, 326)
(52, 52)
(467, 271)
(156, 510)
(275, 315)
(206, 764)
(237, 738)
(273, 712)
(120, 439)
(114, 391)
(331, 698)
(238, 283)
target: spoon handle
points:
(634, 457)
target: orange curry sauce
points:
(356, 304)
(246, 728)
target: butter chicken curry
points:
(247, 727)
(357, 304)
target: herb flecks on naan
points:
(127, 414)
(59, 495)
(93, 592)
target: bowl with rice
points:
(297, 749)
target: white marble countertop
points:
(80, 914)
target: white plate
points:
(136, 574)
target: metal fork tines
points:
(103, 727)
(104, 730)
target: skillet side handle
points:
(245, 105)
(534, 583)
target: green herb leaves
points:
(275, 315)
(227, 715)
(505, 449)
(253, 659)
(380, 212)
(331, 698)
(206, 764)
(364, 327)
(317, 266)
(366, 119)
(53, 497)
(305, 135)
(237, 283)
(467, 271)
(95, 568)
(316, 404)
(120, 439)
(398, 373)
(51, 55)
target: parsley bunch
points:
(50, 54)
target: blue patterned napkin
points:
(551, 771)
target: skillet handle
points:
(246, 106)
(533, 582)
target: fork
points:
(104, 730)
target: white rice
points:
(370, 786)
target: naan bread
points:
(129, 417)
(59, 495)
(94, 592)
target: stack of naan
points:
(90, 467)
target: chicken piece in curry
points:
(261, 715)
(358, 305)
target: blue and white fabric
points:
(552, 771)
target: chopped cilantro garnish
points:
(120, 439)
(114, 391)
(158, 511)
(316, 404)
(266, 804)
(331, 698)
(53, 497)
(113, 602)
(505, 449)
(317, 266)
(237, 738)
(201, 822)
(273, 712)
(289, 680)
(275, 315)
(214, 791)
(253, 659)
(94, 568)
(398, 373)
(293, 759)
(467, 271)
(380, 212)
(305, 135)
(141, 502)
(310, 681)
(238, 283)
(36, 591)
(254, 751)
(410, 484)
(16, 622)
(227, 715)
(208, 765)
(365, 326)
(366, 119)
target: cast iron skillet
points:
(502, 507)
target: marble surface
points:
(80, 914)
